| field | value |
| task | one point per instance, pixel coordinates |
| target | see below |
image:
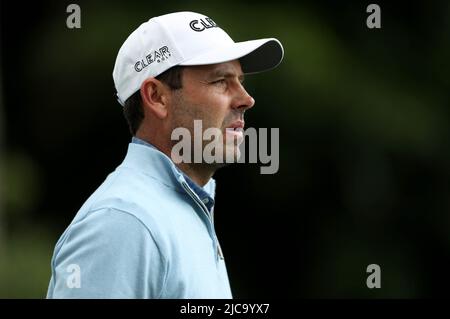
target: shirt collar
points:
(205, 193)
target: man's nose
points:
(243, 100)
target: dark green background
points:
(364, 143)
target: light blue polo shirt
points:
(144, 233)
(204, 196)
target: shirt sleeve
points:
(108, 254)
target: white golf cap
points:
(185, 38)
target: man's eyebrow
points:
(226, 74)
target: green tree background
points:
(364, 159)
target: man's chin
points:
(233, 137)
(232, 154)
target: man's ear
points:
(154, 97)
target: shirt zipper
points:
(219, 249)
(210, 218)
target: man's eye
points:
(219, 81)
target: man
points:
(148, 230)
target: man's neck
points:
(198, 173)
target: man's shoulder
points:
(142, 197)
(127, 189)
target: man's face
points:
(215, 95)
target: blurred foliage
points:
(364, 158)
(24, 264)
(22, 191)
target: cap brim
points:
(254, 55)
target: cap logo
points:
(202, 24)
(159, 55)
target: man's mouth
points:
(236, 130)
(237, 126)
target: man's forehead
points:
(231, 68)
